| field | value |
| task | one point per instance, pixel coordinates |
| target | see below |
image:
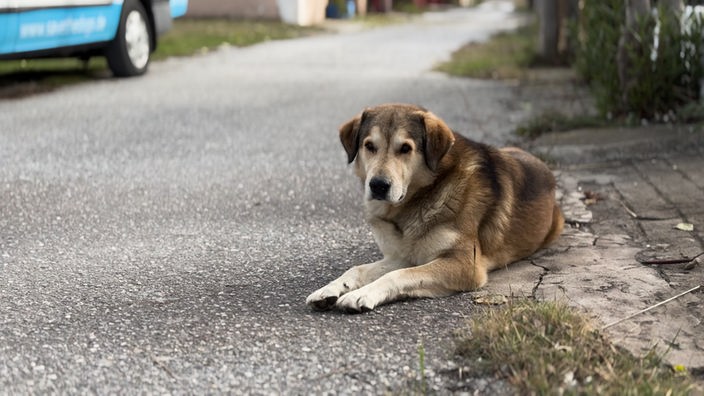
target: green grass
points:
(549, 348)
(421, 368)
(505, 56)
(188, 36)
(513, 55)
(553, 121)
(406, 6)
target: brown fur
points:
(455, 209)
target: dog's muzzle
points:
(379, 187)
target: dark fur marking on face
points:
(352, 133)
(390, 124)
(416, 130)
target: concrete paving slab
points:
(671, 184)
(690, 169)
(657, 173)
(641, 197)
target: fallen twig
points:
(160, 364)
(650, 307)
(682, 260)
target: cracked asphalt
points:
(160, 234)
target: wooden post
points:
(549, 34)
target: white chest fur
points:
(412, 248)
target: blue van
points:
(124, 31)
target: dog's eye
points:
(405, 148)
(370, 147)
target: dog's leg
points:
(440, 277)
(354, 278)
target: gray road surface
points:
(160, 234)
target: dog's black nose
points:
(379, 188)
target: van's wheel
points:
(128, 53)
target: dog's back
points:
(510, 200)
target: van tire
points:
(128, 54)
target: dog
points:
(444, 210)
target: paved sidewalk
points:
(624, 191)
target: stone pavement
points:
(624, 191)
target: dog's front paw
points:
(357, 301)
(324, 298)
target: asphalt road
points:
(160, 234)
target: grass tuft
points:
(549, 348)
(553, 121)
(504, 56)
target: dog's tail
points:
(558, 222)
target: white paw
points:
(361, 300)
(324, 298)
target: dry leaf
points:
(491, 299)
(685, 227)
(591, 197)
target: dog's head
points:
(396, 148)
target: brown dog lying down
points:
(444, 210)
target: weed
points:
(599, 31)
(421, 368)
(549, 348)
(662, 60)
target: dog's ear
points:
(438, 139)
(349, 136)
